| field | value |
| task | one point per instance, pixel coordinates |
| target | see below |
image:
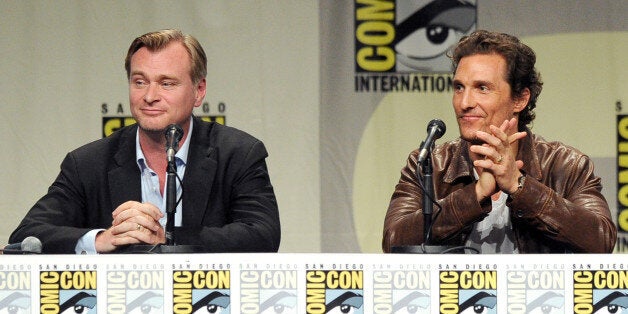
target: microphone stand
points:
(171, 208)
(428, 196)
(171, 200)
(428, 209)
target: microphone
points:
(30, 245)
(174, 133)
(435, 129)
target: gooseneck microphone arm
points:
(174, 133)
(171, 201)
(428, 196)
(424, 175)
(435, 129)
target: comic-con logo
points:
(601, 291)
(409, 36)
(622, 182)
(467, 292)
(135, 292)
(201, 291)
(15, 294)
(112, 124)
(115, 117)
(540, 292)
(268, 291)
(334, 291)
(67, 292)
(401, 292)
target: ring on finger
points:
(138, 227)
(499, 159)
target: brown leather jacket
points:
(560, 208)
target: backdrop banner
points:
(340, 92)
(385, 74)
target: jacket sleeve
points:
(574, 213)
(58, 218)
(456, 207)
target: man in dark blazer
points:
(98, 203)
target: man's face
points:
(482, 96)
(161, 90)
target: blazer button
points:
(519, 213)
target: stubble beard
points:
(470, 136)
(152, 132)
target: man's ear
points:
(522, 101)
(201, 90)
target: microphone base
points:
(431, 249)
(17, 252)
(161, 249)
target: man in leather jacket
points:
(499, 188)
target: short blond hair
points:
(157, 40)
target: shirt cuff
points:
(87, 243)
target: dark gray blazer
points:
(228, 201)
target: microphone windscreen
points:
(31, 245)
(439, 126)
(174, 131)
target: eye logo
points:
(201, 291)
(80, 303)
(481, 302)
(414, 302)
(347, 302)
(334, 291)
(214, 302)
(147, 302)
(424, 37)
(409, 36)
(548, 302)
(282, 302)
(14, 303)
(615, 302)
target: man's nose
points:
(152, 93)
(465, 101)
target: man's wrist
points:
(478, 193)
(520, 182)
(102, 242)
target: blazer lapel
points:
(199, 174)
(124, 177)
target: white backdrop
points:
(61, 60)
(284, 70)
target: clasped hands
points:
(498, 170)
(133, 223)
